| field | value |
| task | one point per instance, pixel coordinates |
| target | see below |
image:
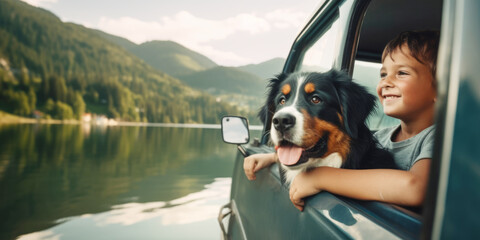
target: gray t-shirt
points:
(408, 152)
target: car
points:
(350, 35)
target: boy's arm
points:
(386, 185)
(255, 162)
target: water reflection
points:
(52, 172)
(193, 208)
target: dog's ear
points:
(266, 111)
(355, 102)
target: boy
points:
(407, 92)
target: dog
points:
(319, 119)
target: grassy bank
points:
(7, 118)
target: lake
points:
(120, 182)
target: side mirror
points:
(235, 131)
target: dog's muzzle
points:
(282, 122)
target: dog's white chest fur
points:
(332, 160)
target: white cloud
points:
(198, 33)
(183, 27)
(285, 18)
(38, 3)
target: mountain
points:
(229, 84)
(65, 69)
(166, 56)
(172, 58)
(123, 42)
(265, 70)
(221, 80)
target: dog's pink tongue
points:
(289, 155)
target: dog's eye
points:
(282, 101)
(316, 100)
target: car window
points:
(320, 55)
(368, 74)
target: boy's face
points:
(406, 88)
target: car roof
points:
(385, 19)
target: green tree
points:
(45, 89)
(21, 102)
(78, 105)
(62, 111)
(58, 110)
(17, 102)
(112, 111)
(58, 88)
(32, 99)
(49, 106)
(24, 78)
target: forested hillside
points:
(175, 59)
(221, 80)
(230, 84)
(265, 70)
(166, 56)
(64, 70)
(198, 70)
(241, 86)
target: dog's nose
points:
(283, 121)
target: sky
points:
(231, 33)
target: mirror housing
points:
(235, 130)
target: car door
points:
(452, 204)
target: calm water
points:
(78, 182)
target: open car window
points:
(320, 55)
(367, 74)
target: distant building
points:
(101, 120)
(38, 115)
(87, 117)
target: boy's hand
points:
(253, 163)
(303, 185)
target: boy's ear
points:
(355, 101)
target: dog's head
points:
(315, 114)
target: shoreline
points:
(6, 119)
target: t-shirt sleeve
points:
(383, 135)
(426, 150)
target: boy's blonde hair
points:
(423, 46)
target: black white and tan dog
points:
(319, 119)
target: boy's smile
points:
(406, 89)
(389, 97)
